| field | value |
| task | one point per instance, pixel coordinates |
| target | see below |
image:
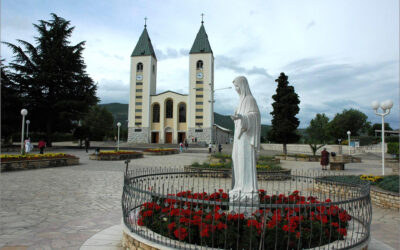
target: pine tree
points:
(55, 87)
(286, 107)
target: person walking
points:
(219, 148)
(87, 144)
(186, 145)
(324, 159)
(209, 148)
(41, 145)
(181, 147)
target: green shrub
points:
(221, 156)
(390, 183)
(393, 148)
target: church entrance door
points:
(168, 137)
(181, 137)
(154, 137)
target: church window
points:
(199, 110)
(138, 103)
(169, 109)
(199, 95)
(138, 130)
(154, 69)
(198, 130)
(139, 83)
(156, 113)
(199, 103)
(199, 117)
(199, 124)
(199, 89)
(139, 67)
(138, 110)
(138, 123)
(182, 112)
(199, 82)
(138, 117)
(139, 90)
(139, 97)
(199, 64)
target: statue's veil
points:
(243, 85)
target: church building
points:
(171, 117)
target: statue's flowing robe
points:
(245, 150)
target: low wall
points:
(169, 152)
(305, 148)
(115, 157)
(379, 197)
(35, 164)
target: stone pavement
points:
(63, 208)
(60, 208)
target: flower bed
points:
(116, 155)
(34, 161)
(213, 225)
(384, 190)
(160, 151)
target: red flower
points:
(342, 231)
(147, 213)
(335, 224)
(221, 226)
(205, 232)
(254, 223)
(171, 226)
(220, 190)
(285, 228)
(181, 233)
(140, 222)
(224, 196)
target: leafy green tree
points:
(98, 122)
(10, 106)
(378, 126)
(286, 107)
(52, 78)
(349, 120)
(317, 131)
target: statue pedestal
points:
(246, 203)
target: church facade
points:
(171, 117)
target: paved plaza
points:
(61, 208)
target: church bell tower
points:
(142, 85)
(201, 89)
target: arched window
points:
(156, 112)
(139, 67)
(169, 109)
(182, 112)
(199, 64)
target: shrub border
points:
(115, 157)
(37, 164)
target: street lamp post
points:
(118, 125)
(385, 106)
(27, 128)
(24, 112)
(348, 135)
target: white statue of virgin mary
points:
(246, 145)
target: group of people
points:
(211, 146)
(183, 145)
(29, 146)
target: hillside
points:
(120, 114)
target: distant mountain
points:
(120, 114)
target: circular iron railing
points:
(191, 210)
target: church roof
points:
(201, 43)
(144, 46)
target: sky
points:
(338, 54)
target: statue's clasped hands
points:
(236, 117)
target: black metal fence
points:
(191, 210)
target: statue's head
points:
(242, 86)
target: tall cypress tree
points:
(286, 107)
(55, 87)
